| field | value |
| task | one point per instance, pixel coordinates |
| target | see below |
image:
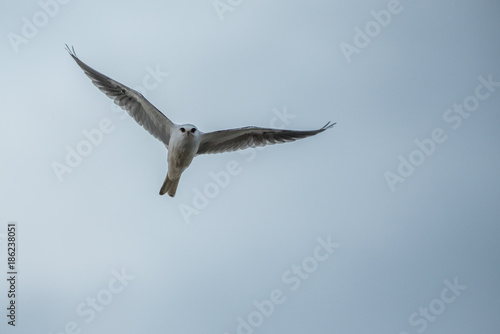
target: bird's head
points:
(188, 130)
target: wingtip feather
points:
(328, 125)
(71, 51)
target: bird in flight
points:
(185, 141)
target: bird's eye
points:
(193, 130)
(183, 130)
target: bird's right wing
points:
(130, 100)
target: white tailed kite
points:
(185, 141)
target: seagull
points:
(185, 141)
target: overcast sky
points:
(387, 223)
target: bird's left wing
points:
(239, 139)
(146, 114)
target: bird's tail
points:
(169, 186)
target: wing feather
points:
(136, 105)
(242, 138)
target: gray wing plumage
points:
(239, 139)
(136, 105)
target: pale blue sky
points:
(398, 250)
